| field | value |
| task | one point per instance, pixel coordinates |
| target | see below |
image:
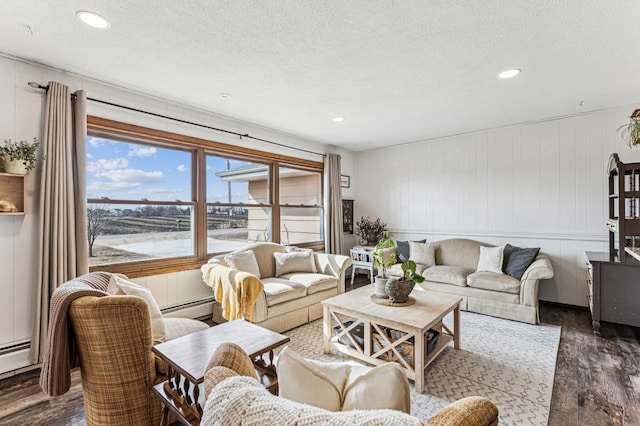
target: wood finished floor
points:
(597, 379)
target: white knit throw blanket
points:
(242, 400)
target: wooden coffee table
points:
(407, 326)
(187, 358)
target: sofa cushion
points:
(279, 290)
(517, 260)
(403, 250)
(294, 249)
(495, 282)
(422, 253)
(490, 259)
(458, 252)
(243, 261)
(447, 274)
(342, 386)
(313, 282)
(300, 261)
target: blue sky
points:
(127, 171)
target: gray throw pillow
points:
(517, 260)
(402, 248)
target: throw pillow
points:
(490, 259)
(300, 261)
(124, 286)
(517, 260)
(243, 261)
(294, 249)
(403, 250)
(342, 386)
(422, 253)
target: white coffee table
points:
(406, 324)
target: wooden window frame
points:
(200, 148)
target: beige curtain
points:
(62, 252)
(332, 205)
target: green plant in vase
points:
(370, 230)
(19, 157)
(384, 257)
(630, 132)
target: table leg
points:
(164, 420)
(456, 327)
(326, 328)
(419, 349)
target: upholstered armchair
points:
(111, 337)
(234, 395)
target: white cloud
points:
(182, 168)
(97, 142)
(124, 179)
(152, 191)
(107, 164)
(141, 151)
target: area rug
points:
(511, 363)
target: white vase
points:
(379, 287)
(14, 166)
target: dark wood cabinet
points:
(624, 208)
(613, 288)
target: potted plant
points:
(399, 289)
(630, 133)
(383, 259)
(370, 230)
(19, 157)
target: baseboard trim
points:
(564, 305)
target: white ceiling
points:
(397, 70)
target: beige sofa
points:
(488, 293)
(292, 299)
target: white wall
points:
(532, 185)
(21, 110)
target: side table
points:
(361, 259)
(187, 357)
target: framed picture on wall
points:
(345, 181)
(347, 216)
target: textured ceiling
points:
(397, 70)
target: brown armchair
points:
(112, 338)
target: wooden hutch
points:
(614, 277)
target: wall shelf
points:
(13, 194)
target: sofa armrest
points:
(335, 265)
(470, 411)
(541, 268)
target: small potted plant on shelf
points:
(383, 259)
(399, 289)
(19, 157)
(370, 230)
(630, 132)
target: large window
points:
(140, 201)
(238, 203)
(301, 217)
(160, 202)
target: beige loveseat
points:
(488, 293)
(291, 299)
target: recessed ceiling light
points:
(224, 96)
(338, 119)
(510, 73)
(93, 19)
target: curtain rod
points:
(166, 117)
